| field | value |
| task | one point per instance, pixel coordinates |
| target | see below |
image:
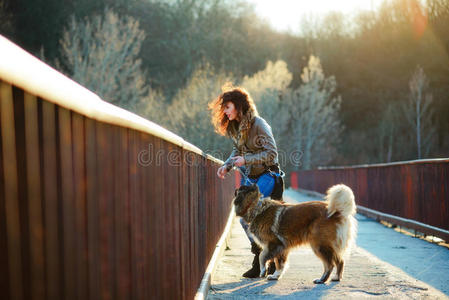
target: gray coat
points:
(259, 149)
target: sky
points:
(286, 14)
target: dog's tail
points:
(341, 200)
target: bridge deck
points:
(385, 264)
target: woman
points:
(234, 114)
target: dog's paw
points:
(274, 276)
(318, 281)
(263, 271)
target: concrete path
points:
(385, 265)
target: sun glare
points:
(287, 14)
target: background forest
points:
(345, 90)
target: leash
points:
(246, 178)
(244, 174)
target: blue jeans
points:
(265, 183)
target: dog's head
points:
(244, 197)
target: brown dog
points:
(328, 226)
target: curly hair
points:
(242, 102)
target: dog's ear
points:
(235, 192)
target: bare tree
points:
(101, 53)
(419, 113)
(388, 133)
(275, 76)
(188, 115)
(315, 126)
(266, 88)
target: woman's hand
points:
(238, 161)
(222, 172)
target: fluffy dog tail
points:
(341, 200)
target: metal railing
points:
(96, 202)
(414, 190)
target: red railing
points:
(415, 190)
(96, 202)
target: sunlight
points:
(286, 14)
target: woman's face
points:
(230, 111)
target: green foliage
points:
(389, 137)
(38, 23)
(183, 34)
(6, 17)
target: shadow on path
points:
(254, 288)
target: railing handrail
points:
(379, 165)
(71, 171)
(23, 70)
(416, 190)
